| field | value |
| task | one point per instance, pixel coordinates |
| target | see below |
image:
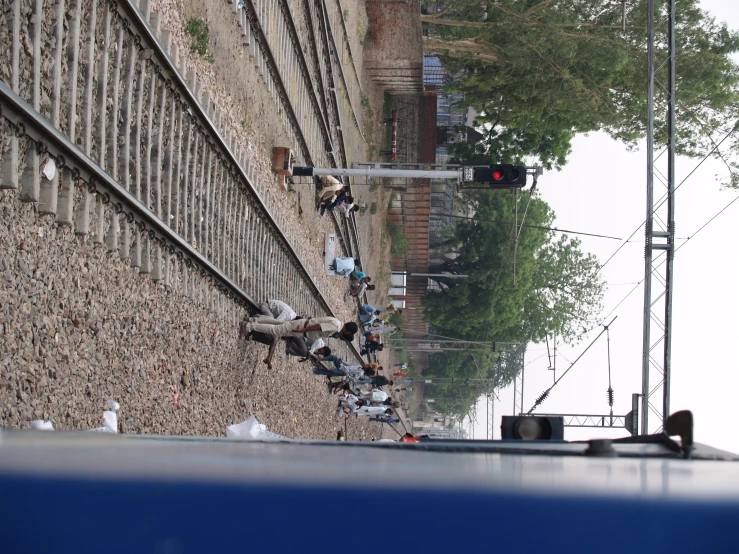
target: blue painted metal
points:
(70, 493)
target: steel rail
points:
(338, 64)
(135, 19)
(347, 233)
(166, 84)
(274, 71)
(16, 110)
(344, 229)
(263, 44)
(285, 7)
(349, 46)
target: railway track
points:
(105, 134)
(303, 86)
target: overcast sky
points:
(603, 190)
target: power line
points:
(664, 197)
(676, 250)
(543, 396)
(555, 229)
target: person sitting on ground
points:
(371, 347)
(391, 308)
(358, 276)
(311, 354)
(377, 381)
(384, 419)
(374, 396)
(276, 309)
(311, 329)
(294, 346)
(348, 404)
(348, 208)
(344, 265)
(371, 344)
(372, 411)
(368, 313)
(357, 289)
(349, 371)
(330, 187)
(340, 198)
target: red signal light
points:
(497, 175)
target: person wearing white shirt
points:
(376, 396)
(358, 289)
(373, 411)
(348, 404)
(314, 345)
(276, 309)
(347, 208)
(344, 265)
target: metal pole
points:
(670, 252)
(444, 275)
(659, 235)
(648, 225)
(376, 172)
(437, 341)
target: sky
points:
(602, 190)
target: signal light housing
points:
(532, 428)
(501, 176)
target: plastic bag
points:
(252, 430)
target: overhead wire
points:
(663, 199)
(543, 396)
(663, 255)
(520, 225)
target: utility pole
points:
(445, 345)
(659, 234)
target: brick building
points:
(394, 58)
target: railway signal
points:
(501, 175)
(532, 428)
(496, 176)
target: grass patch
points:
(200, 33)
(346, 15)
(373, 185)
(382, 273)
(399, 245)
(362, 33)
(245, 124)
(396, 319)
(373, 208)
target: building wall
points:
(394, 57)
(412, 214)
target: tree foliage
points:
(523, 284)
(552, 69)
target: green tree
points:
(540, 72)
(566, 293)
(490, 301)
(522, 285)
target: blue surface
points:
(52, 515)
